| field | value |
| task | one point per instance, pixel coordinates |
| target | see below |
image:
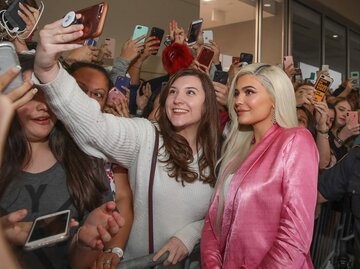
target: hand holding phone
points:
(321, 87)
(221, 77)
(194, 31)
(352, 118)
(49, 229)
(122, 81)
(140, 30)
(208, 36)
(92, 18)
(115, 97)
(158, 34)
(205, 56)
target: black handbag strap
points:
(150, 194)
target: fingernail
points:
(34, 91)
(18, 67)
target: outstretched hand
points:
(102, 224)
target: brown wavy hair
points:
(207, 138)
(85, 175)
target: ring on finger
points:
(106, 262)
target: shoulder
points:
(297, 139)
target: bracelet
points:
(116, 250)
(325, 135)
(339, 141)
(78, 243)
(322, 132)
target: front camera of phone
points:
(139, 27)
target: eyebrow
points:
(186, 88)
(248, 86)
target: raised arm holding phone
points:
(184, 171)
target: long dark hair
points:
(207, 138)
(85, 175)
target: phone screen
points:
(49, 227)
(194, 31)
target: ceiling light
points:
(267, 5)
(207, 0)
(335, 36)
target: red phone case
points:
(205, 56)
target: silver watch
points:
(118, 251)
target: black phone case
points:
(246, 57)
(12, 16)
(159, 34)
(221, 76)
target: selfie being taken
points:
(179, 134)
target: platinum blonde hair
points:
(237, 144)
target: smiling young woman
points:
(262, 213)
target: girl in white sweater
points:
(188, 146)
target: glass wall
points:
(235, 28)
(306, 35)
(354, 47)
(335, 48)
(272, 31)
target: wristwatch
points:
(118, 251)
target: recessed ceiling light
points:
(267, 5)
(335, 36)
(207, 0)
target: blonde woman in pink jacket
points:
(262, 212)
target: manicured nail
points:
(34, 91)
(18, 67)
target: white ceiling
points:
(231, 11)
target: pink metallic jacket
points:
(268, 215)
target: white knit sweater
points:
(178, 211)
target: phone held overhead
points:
(93, 19)
(140, 30)
(194, 31)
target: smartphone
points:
(221, 77)
(288, 61)
(9, 59)
(114, 97)
(322, 84)
(298, 74)
(122, 81)
(352, 118)
(48, 230)
(12, 17)
(194, 31)
(246, 58)
(208, 36)
(356, 76)
(139, 31)
(93, 19)
(325, 67)
(158, 33)
(205, 56)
